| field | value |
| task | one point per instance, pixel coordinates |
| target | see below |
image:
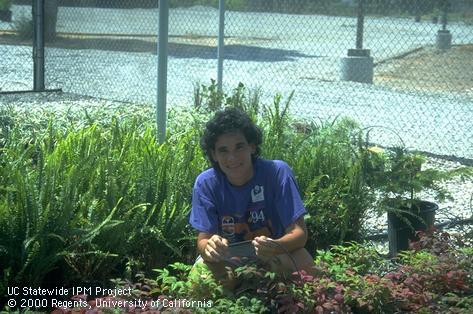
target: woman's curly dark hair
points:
(230, 120)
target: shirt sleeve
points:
(288, 200)
(203, 215)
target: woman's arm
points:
(295, 238)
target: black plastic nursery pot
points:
(402, 225)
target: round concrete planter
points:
(357, 66)
(444, 39)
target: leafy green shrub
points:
(209, 99)
(337, 195)
(87, 197)
(433, 278)
(403, 176)
(357, 257)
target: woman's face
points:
(233, 154)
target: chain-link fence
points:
(421, 91)
(16, 62)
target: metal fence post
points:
(162, 69)
(359, 25)
(221, 44)
(444, 37)
(444, 15)
(357, 66)
(38, 45)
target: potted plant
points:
(5, 12)
(398, 178)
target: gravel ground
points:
(436, 122)
(462, 191)
(279, 53)
(431, 70)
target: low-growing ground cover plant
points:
(435, 277)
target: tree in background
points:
(417, 7)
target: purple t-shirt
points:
(266, 205)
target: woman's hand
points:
(266, 248)
(216, 249)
